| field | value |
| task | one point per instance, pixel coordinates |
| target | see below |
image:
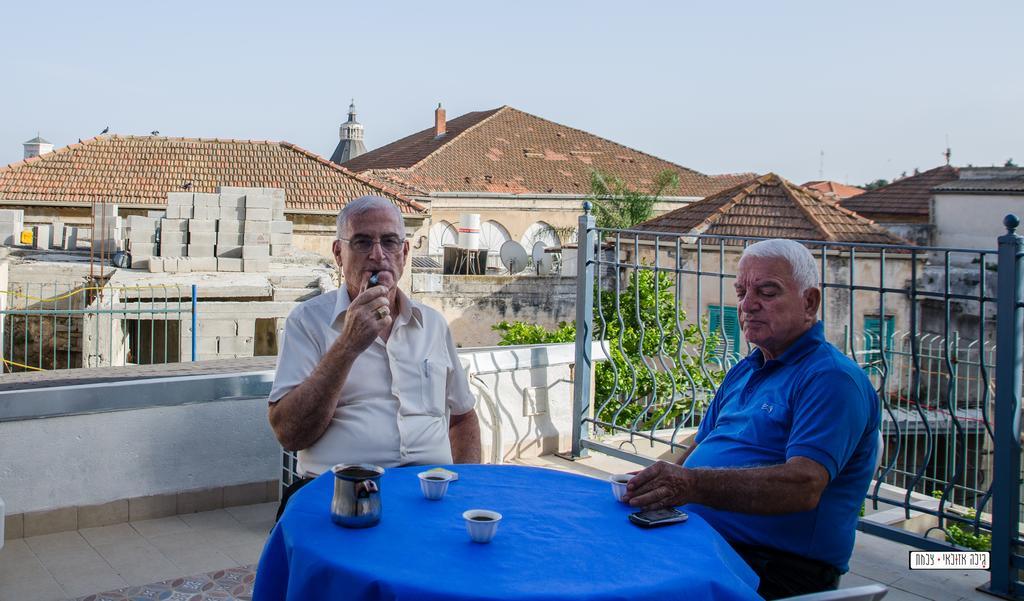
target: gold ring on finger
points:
(382, 312)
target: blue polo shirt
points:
(812, 401)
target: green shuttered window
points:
(726, 317)
(873, 340)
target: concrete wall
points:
(916, 233)
(228, 329)
(524, 402)
(92, 459)
(972, 220)
(524, 399)
(472, 304)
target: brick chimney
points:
(440, 124)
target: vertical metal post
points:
(1006, 481)
(3, 320)
(585, 255)
(193, 325)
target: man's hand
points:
(788, 487)
(362, 322)
(661, 485)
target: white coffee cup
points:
(434, 484)
(619, 484)
(481, 524)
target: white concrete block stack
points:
(141, 240)
(226, 338)
(11, 223)
(206, 206)
(230, 229)
(280, 237)
(179, 205)
(237, 229)
(57, 235)
(259, 210)
(173, 237)
(202, 237)
(41, 236)
(107, 228)
(71, 238)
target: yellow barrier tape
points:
(40, 299)
(52, 299)
(14, 363)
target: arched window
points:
(540, 232)
(441, 234)
(492, 236)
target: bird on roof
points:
(154, 133)
(105, 130)
(186, 186)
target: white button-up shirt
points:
(392, 407)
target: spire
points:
(351, 134)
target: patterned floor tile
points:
(234, 584)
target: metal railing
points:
(950, 390)
(921, 321)
(59, 326)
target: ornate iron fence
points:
(927, 325)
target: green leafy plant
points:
(963, 535)
(520, 332)
(618, 206)
(653, 375)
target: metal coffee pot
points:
(356, 502)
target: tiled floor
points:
(878, 560)
(232, 584)
(221, 546)
(76, 564)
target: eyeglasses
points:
(363, 245)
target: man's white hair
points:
(801, 261)
(364, 204)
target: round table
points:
(562, 536)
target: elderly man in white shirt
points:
(365, 374)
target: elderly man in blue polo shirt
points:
(785, 453)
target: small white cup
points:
(434, 484)
(481, 524)
(619, 484)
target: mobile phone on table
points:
(657, 517)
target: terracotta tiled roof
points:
(141, 170)
(834, 189)
(510, 151)
(771, 207)
(908, 196)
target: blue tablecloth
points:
(562, 536)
